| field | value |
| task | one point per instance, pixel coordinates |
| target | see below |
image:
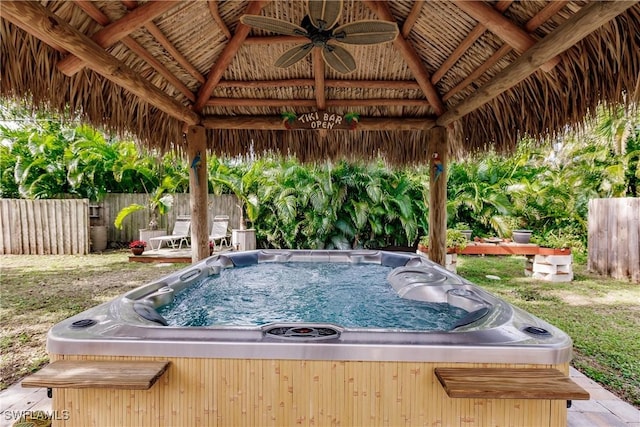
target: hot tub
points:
(302, 371)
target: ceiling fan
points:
(320, 26)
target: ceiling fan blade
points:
(366, 32)
(324, 14)
(274, 25)
(339, 59)
(294, 55)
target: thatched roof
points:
(491, 71)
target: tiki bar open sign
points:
(320, 120)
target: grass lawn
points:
(601, 315)
(38, 291)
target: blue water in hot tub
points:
(349, 295)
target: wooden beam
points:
(411, 57)
(502, 27)
(497, 55)
(540, 18)
(215, 14)
(277, 123)
(374, 84)
(104, 20)
(345, 84)
(271, 102)
(588, 19)
(174, 52)
(198, 192)
(545, 14)
(116, 31)
(411, 18)
(226, 56)
(318, 73)
(257, 102)
(437, 150)
(166, 43)
(469, 40)
(42, 23)
(381, 102)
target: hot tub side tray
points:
(509, 383)
(126, 375)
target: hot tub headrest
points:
(391, 259)
(242, 259)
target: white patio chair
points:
(181, 234)
(220, 231)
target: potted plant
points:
(521, 236)
(137, 247)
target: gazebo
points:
(413, 81)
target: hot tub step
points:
(509, 383)
(128, 375)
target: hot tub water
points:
(349, 295)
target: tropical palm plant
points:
(478, 195)
(39, 170)
(159, 203)
(239, 181)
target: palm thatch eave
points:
(603, 67)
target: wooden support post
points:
(198, 191)
(438, 195)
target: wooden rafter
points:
(116, 31)
(215, 14)
(225, 58)
(412, 59)
(271, 102)
(361, 84)
(469, 40)
(167, 45)
(503, 27)
(540, 18)
(411, 18)
(255, 102)
(43, 24)
(104, 20)
(277, 123)
(545, 14)
(584, 22)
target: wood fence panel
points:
(57, 225)
(62, 226)
(43, 227)
(614, 238)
